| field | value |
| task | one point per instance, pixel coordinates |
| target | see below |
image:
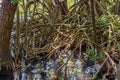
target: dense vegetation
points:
(43, 29)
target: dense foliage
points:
(45, 27)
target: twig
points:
(100, 68)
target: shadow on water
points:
(6, 74)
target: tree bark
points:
(7, 12)
(62, 5)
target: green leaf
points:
(14, 1)
(118, 45)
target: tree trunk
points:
(62, 5)
(7, 12)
